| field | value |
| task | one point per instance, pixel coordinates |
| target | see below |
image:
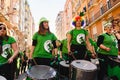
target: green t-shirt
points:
(64, 46)
(6, 46)
(93, 43)
(111, 42)
(44, 45)
(78, 36)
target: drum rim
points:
(68, 65)
(114, 59)
(29, 75)
(3, 77)
(83, 69)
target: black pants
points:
(8, 70)
(79, 52)
(103, 63)
(41, 61)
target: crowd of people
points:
(47, 50)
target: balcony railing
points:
(104, 9)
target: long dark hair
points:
(42, 30)
(1, 44)
(5, 37)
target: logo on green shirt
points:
(80, 38)
(48, 46)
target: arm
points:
(15, 49)
(34, 43)
(61, 50)
(56, 45)
(31, 52)
(117, 35)
(69, 37)
(89, 47)
(100, 43)
(54, 50)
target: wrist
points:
(106, 48)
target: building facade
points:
(96, 14)
(15, 13)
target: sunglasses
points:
(2, 28)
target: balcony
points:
(103, 10)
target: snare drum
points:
(82, 70)
(64, 69)
(2, 78)
(114, 68)
(41, 72)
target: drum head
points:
(2, 78)
(22, 76)
(41, 72)
(84, 65)
(63, 63)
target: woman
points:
(117, 34)
(116, 25)
(107, 44)
(8, 53)
(42, 47)
(78, 40)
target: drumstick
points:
(63, 59)
(85, 55)
(35, 61)
(73, 56)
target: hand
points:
(93, 55)
(69, 53)
(107, 49)
(10, 60)
(60, 56)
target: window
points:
(2, 4)
(101, 8)
(92, 16)
(108, 4)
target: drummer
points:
(78, 40)
(107, 44)
(62, 48)
(57, 48)
(41, 51)
(116, 25)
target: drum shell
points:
(64, 70)
(80, 74)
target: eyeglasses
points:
(2, 28)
